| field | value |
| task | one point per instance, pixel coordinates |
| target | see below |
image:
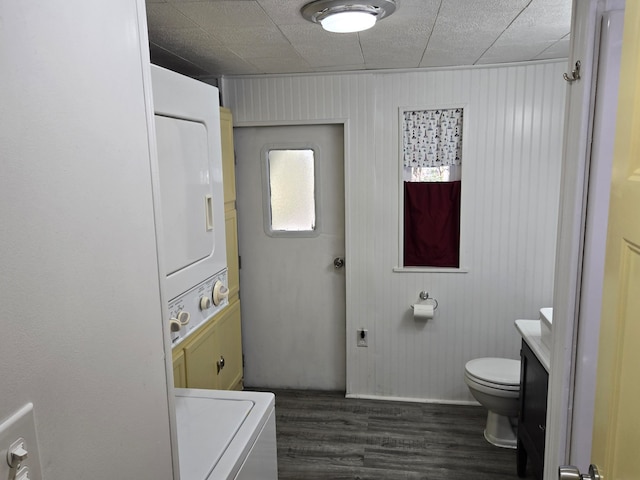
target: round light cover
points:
(346, 16)
(348, 22)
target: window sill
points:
(430, 270)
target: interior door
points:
(616, 432)
(293, 297)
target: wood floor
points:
(322, 435)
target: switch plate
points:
(20, 425)
(363, 337)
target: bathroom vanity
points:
(534, 379)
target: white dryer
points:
(187, 128)
(226, 435)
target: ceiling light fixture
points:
(347, 16)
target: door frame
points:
(347, 207)
(568, 378)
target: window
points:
(290, 193)
(432, 172)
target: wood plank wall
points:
(512, 155)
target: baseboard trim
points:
(411, 399)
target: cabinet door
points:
(533, 412)
(179, 370)
(233, 273)
(228, 156)
(200, 356)
(230, 347)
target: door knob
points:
(569, 472)
(220, 364)
(338, 263)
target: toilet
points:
(495, 383)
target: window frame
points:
(401, 268)
(266, 190)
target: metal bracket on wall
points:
(575, 74)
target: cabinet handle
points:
(208, 208)
(541, 427)
(220, 364)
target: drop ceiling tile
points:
(326, 57)
(466, 28)
(520, 32)
(381, 62)
(250, 35)
(166, 59)
(548, 19)
(321, 49)
(336, 57)
(447, 58)
(422, 10)
(513, 53)
(166, 15)
(281, 65)
(378, 52)
(284, 12)
(463, 51)
(264, 50)
(393, 31)
(183, 40)
(536, 29)
(211, 15)
(223, 61)
(560, 49)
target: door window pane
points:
(292, 204)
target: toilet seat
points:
(498, 373)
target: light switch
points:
(23, 474)
(17, 453)
(19, 457)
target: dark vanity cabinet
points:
(534, 381)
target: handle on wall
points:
(208, 206)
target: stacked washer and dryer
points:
(222, 435)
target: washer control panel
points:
(191, 309)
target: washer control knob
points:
(205, 302)
(179, 321)
(220, 292)
(183, 317)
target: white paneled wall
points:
(511, 156)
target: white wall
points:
(79, 289)
(514, 125)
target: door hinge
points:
(243, 360)
(239, 262)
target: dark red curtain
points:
(432, 224)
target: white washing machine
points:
(226, 435)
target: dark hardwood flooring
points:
(322, 435)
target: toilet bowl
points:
(495, 383)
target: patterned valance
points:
(432, 138)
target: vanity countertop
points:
(531, 333)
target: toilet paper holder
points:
(424, 296)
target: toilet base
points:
(500, 432)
